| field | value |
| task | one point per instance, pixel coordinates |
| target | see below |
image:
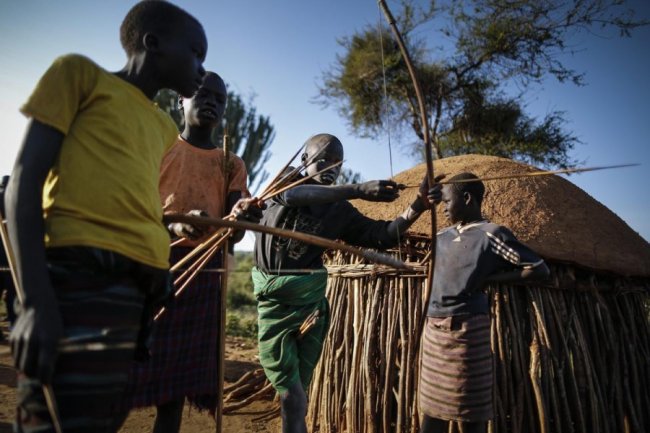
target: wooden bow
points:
(428, 153)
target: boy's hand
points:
(34, 342)
(378, 190)
(249, 209)
(431, 196)
(185, 230)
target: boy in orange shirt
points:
(185, 343)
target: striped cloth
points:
(184, 346)
(284, 302)
(456, 372)
(101, 305)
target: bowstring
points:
(384, 113)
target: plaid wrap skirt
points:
(184, 346)
(100, 298)
(456, 374)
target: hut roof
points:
(552, 215)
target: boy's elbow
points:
(541, 272)
(10, 197)
(238, 236)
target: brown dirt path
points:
(240, 357)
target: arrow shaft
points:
(299, 236)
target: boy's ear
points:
(303, 158)
(467, 198)
(180, 102)
(151, 42)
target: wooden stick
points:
(281, 172)
(269, 415)
(199, 265)
(203, 245)
(272, 190)
(201, 261)
(289, 175)
(298, 182)
(268, 388)
(48, 392)
(371, 255)
(176, 242)
(247, 383)
(196, 267)
(286, 178)
(223, 299)
(531, 174)
(242, 380)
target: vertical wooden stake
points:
(48, 392)
(224, 288)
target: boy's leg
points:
(101, 315)
(433, 425)
(474, 427)
(10, 302)
(88, 388)
(169, 416)
(310, 346)
(294, 409)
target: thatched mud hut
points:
(571, 354)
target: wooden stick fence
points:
(571, 356)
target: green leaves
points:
(488, 45)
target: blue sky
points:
(277, 50)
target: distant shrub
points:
(238, 326)
(240, 285)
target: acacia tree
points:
(489, 44)
(348, 176)
(250, 135)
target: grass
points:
(242, 323)
(241, 318)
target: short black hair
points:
(180, 97)
(476, 188)
(322, 140)
(150, 16)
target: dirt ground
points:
(240, 358)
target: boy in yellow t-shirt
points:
(85, 219)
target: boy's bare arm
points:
(38, 330)
(374, 190)
(539, 272)
(232, 199)
(426, 198)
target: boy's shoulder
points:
(446, 231)
(233, 157)
(495, 230)
(490, 227)
(74, 69)
(484, 226)
(78, 60)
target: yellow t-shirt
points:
(193, 178)
(103, 188)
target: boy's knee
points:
(295, 400)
